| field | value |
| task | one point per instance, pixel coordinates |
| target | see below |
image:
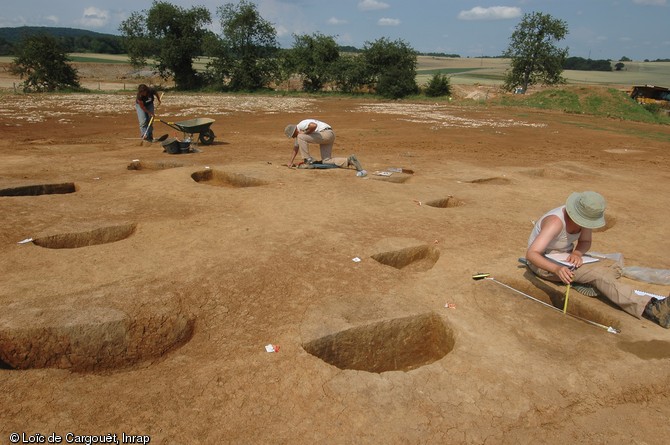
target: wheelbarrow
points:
(199, 126)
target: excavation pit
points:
(491, 181)
(160, 165)
(90, 339)
(396, 178)
(103, 235)
(554, 295)
(224, 179)
(41, 189)
(401, 344)
(445, 203)
(418, 258)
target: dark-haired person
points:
(144, 105)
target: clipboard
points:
(561, 257)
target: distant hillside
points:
(73, 40)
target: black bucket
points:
(174, 146)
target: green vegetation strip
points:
(446, 70)
(95, 60)
(597, 102)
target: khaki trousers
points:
(340, 162)
(325, 139)
(604, 275)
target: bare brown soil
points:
(146, 300)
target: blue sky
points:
(600, 29)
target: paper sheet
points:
(563, 256)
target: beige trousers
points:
(325, 139)
(340, 162)
(604, 275)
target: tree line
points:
(247, 57)
(70, 40)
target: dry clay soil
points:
(154, 282)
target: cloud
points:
(336, 21)
(492, 13)
(282, 31)
(54, 20)
(651, 2)
(372, 5)
(388, 22)
(94, 17)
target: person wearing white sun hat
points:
(568, 229)
(313, 131)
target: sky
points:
(597, 29)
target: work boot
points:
(659, 311)
(353, 160)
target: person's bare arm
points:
(551, 227)
(141, 104)
(311, 128)
(295, 153)
(583, 246)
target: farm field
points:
(486, 72)
(154, 283)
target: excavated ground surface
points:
(155, 282)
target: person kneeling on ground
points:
(312, 131)
(559, 229)
(351, 161)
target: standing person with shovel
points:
(144, 105)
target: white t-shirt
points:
(320, 126)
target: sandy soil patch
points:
(149, 305)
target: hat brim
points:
(289, 131)
(578, 218)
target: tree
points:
(438, 85)
(246, 58)
(172, 35)
(136, 40)
(619, 66)
(44, 65)
(315, 58)
(392, 67)
(6, 47)
(533, 53)
(351, 73)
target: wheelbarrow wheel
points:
(207, 137)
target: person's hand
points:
(565, 274)
(576, 259)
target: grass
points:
(596, 101)
(93, 59)
(445, 71)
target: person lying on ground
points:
(568, 229)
